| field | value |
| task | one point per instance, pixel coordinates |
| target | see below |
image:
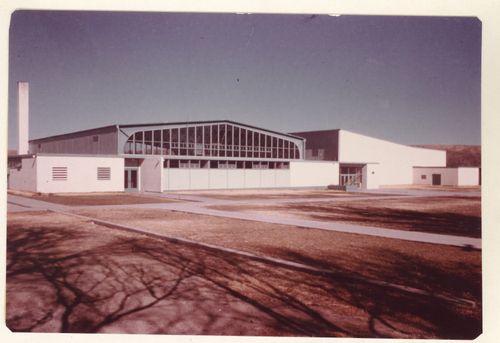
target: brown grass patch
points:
(373, 257)
(444, 215)
(94, 199)
(68, 275)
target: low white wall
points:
(235, 179)
(313, 173)
(468, 176)
(217, 178)
(82, 174)
(183, 179)
(449, 176)
(151, 175)
(25, 178)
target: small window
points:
(95, 139)
(103, 173)
(423, 177)
(59, 173)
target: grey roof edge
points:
(313, 131)
(68, 134)
(210, 122)
(118, 126)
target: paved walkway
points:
(198, 205)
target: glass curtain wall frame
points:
(211, 140)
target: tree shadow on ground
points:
(388, 304)
(147, 285)
(435, 222)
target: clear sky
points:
(413, 80)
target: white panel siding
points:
(81, 174)
(252, 178)
(268, 177)
(218, 178)
(282, 177)
(235, 178)
(178, 179)
(313, 173)
(199, 178)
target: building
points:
(460, 176)
(369, 162)
(167, 156)
(210, 155)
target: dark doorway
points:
(436, 179)
(130, 179)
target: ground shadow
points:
(435, 222)
(141, 284)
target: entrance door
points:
(130, 179)
(351, 176)
(436, 179)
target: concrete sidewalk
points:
(198, 208)
(30, 204)
(415, 236)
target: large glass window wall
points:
(216, 140)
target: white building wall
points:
(462, 176)
(198, 178)
(151, 175)
(81, 174)
(177, 179)
(282, 177)
(313, 173)
(252, 178)
(235, 179)
(184, 179)
(217, 177)
(25, 178)
(395, 161)
(468, 176)
(370, 176)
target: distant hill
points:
(458, 155)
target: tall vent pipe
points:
(23, 117)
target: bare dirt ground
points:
(69, 275)
(438, 188)
(93, 199)
(444, 215)
(370, 256)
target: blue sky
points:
(413, 80)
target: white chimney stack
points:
(23, 117)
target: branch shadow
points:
(148, 285)
(448, 223)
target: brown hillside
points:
(459, 155)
